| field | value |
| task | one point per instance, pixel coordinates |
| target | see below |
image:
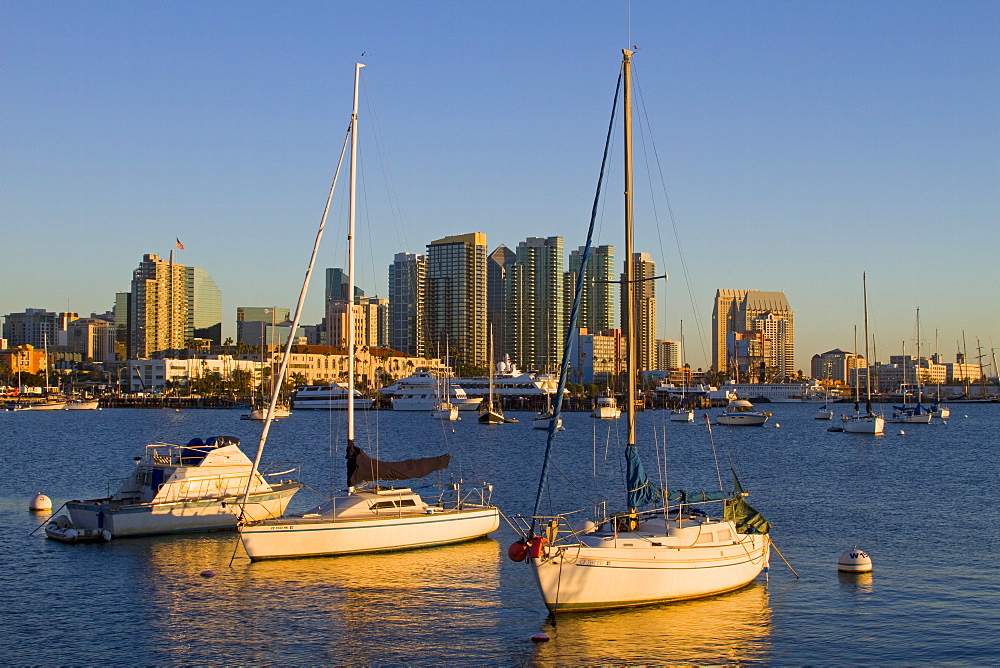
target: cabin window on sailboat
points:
(706, 538)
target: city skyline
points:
(801, 147)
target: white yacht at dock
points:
(509, 381)
(327, 397)
(420, 392)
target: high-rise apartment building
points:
(535, 327)
(668, 354)
(92, 338)
(753, 335)
(371, 322)
(644, 271)
(407, 299)
(597, 301)
(497, 264)
(159, 307)
(456, 298)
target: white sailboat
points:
(281, 409)
(490, 412)
(663, 553)
(683, 413)
(376, 518)
(867, 422)
(917, 413)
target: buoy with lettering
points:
(854, 561)
(41, 502)
(208, 574)
(539, 637)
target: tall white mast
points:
(350, 258)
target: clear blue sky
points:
(801, 144)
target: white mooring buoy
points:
(854, 561)
(41, 503)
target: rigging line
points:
(673, 223)
(395, 210)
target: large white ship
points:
(509, 381)
(420, 392)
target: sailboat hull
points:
(288, 538)
(583, 577)
(861, 424)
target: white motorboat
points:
(638, 557)
(421, 391)
(741, 413)
(260, 412)
(682, 415)
(328, 397)
(184, 488)
(82, 405)
(823, 413)
(544, 418)
(379, 518)
(606, 408)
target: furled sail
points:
(361, 468)
(740, 512)
(640, 492)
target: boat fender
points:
(106, 535)
(536, 545)
(518, 550)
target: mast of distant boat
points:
(868, 365)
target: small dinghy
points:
(62, 530)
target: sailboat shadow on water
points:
(661, 547)
(368, 518)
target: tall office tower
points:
(668, 354)
(597, 303)
(535, 326)
(336, 285)
(258, 325)
(456, 298)
(497, 264)
(93, 339)
(753, 335)
(122, 311)
(37, 327)
(407, 298)
(204, 306)
(645, 310)
(159, 308)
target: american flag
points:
(179, 244)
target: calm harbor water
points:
(923, 504)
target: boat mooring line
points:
(47, 520)
(785, 560)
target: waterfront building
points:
(37, 327)
(407, 301)
(535, 329)
(497, 264)
(597, 302)
(835, 365)
(92, 338)
(204, 306)
(645, 310)
(753, 335)
(456, 298)
(158, 308)
(24, 358)
(597, 357)
(371, 322)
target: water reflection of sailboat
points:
(733, 628)
(386, 608)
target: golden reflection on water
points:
(390, 607)
(727, 629)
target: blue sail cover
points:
(640, 492)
